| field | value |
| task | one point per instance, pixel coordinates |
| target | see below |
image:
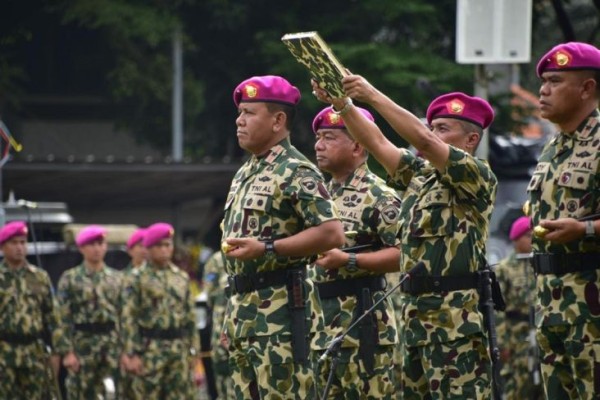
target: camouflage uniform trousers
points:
(166, 372)
(351, 381)
(223, 381)
(262, 367)
(517, 378)
(570, 360)
(27, 380)
(459, 369)
(98, 358)
(126, 391)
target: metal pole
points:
(177, 117)
(481, 90)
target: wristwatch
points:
(590, 231)
(270, 248)
(352, 265)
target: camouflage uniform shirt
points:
(566, 184)
(445, 219)
(27, 308)
(273, 197)
(370, 208)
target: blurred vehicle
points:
(512, 159)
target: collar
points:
(273, 153)
(357, 180)
(585, 131)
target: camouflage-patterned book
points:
(311, 51)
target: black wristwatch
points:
(270, 248)
(590, 231)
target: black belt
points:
(164, 334)
(417, 285)
(563, 263)
(350, 287)
(517, 316)
(243, 283)
(99, 328)
(19, 339)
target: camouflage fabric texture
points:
(445, 220)
(159, 299)
(273, 197)
(215, 281)
(514, 327)
(90, 297)
(310, 50)
(566, 183)
(370, 208)
(27, 308)
(398, 356)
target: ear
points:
(588, 88)
(280, 120)
(473, 140)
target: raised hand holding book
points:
(310, 50)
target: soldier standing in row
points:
(159, 327)
(89, 306)
(564, 189)
(350, 282)
(277, 215)
(28, 318)
(215, 283)
(138, 254)
(518, 348)
(446, 208)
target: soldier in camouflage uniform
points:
(349, 282)
(89, 306)
(159, 326)
(565, 188)
(445, 213)
(28, 318)
(518, 348)
(138, 254)
(215, 281)
(278, 213)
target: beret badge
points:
(251, 91)
(455, 106)
(562, 58)
(333, 118)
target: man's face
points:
(560, 95)
(451, 132)
(94, 252)
(15, 249)
(523, 244)
(138, 253)
(254, 127)
(333, 149)
(161, 252)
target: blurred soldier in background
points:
(349, 282)
(215, 283)
(138, 254)
(159, 327)
(517, 345)
(89, 297)
(28, 318)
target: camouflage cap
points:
(329, 119)
(12, 229)
(267, 89)
(136, 237)
(157, 232)
(89, 234)
(521, 226)
(461, 106)
(570, 56)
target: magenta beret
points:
(520, 227)
(89, 234)
(569, 56)
(135, 238)
(268, 89)
(12, 229)
(328, 119)
(460, 106)
(157, 232)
